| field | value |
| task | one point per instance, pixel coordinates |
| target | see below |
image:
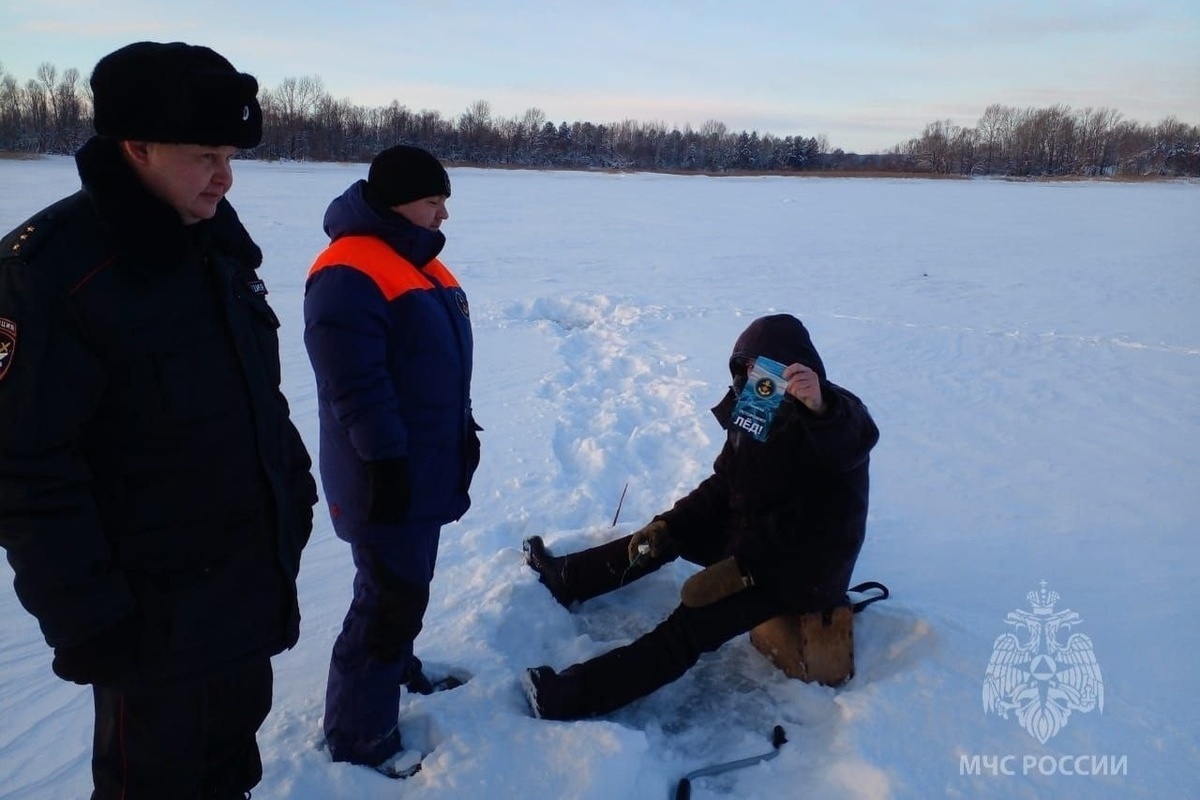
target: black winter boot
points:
(553, 695)
(613, 679)
(581, 576)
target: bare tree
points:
(532, 122)
(37, 116)
(964, 146)
(934, 150)
(10, 112)
(1177, 147)
(68, 108)
(46, 112)
(474, 127)
(1102, 148)
(994, 129)
(293, 103)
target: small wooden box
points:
(812, 647)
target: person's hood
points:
(780, 337)
(353, 213)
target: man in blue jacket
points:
(388, 332)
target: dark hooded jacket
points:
(792, 509)
(388, 332)
(148, 465)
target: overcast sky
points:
(867, 75)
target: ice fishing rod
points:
(620, 503)
(684, 790)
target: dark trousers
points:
(624, 674)
(373, 655)
(195, 742)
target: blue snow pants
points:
(373, 656)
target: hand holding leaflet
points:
(760, 398)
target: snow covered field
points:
(1031, 353)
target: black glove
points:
(102, 658)
(390, 490)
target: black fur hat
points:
(402, 174)
(176, 93)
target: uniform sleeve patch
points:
(8, 344)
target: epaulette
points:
(23, 241)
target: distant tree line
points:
(51, 113)
(303, 122)
(1055, 141)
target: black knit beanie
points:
(175, 93)
(402, 174)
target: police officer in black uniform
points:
(154, 494)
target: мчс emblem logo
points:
(8, 344)
(765, 387)
(1036, 674)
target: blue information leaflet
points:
(760, 398)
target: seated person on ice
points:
(777, 528)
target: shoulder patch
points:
(8, 344)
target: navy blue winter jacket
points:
(148, 466)
(388, 333)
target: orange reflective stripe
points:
(391, 272)
(438, 270)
